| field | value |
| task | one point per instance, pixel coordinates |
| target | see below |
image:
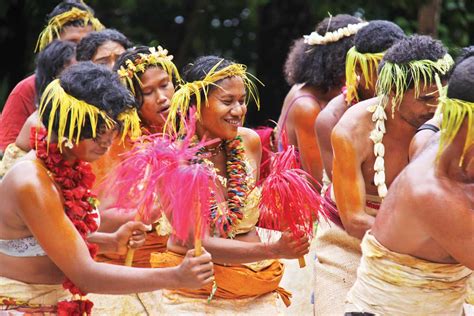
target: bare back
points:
(424, 213)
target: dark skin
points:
(32, 205)
(299, 124)
(222, 118)
(353, 166)
(329, 117)
(434, 220)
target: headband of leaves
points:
(157, 57)
(393, 77)
(454, 112)
(181, 101)
(69, 111)
(368, 64)
(55, 25)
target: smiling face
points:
(157, 91)
(225, 110)
(107, 53)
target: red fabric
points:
(19, 106)
(266, 139)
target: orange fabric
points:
(141, 258)
(233, 282)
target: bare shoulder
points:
(251, 139)
(356, 122)
(331, 112)
(26, 173)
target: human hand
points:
(195, 272)
(130, 235)
(291, 246)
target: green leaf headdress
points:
(393, 78)
(454, 113)
(70, 111)
(156, 57)
(181, 100)
(55, 24)
(368, 63)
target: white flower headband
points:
(330, 37)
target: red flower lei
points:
(75, 180)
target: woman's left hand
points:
(131, 235)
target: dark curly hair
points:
(68, 5)
(51, 61)
(199, 68)
(415, 47)
(377, 36)
(96, 85)
(461, 80)
(132, 54)
(88, 45)
(322, 66)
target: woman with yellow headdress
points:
(69, 21)
(49, 217)
(150, 75)
(247, 272)
(419, 254)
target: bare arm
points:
(23, 138)
(421, 138)
(40, 207)
(304, 116)
(349, 185)
(323, 127)
(232, 251)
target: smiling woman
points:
(247, 270)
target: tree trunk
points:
(428, 18)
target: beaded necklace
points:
(236, 184)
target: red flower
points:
(75, 308)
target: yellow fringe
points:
(368, 63)
(131, 124)
(72, 111)
(53, 29)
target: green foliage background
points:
(255, 32)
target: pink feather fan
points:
(157, 177)
(289, 200)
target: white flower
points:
(379, 114)
(379, 150)
(380, 126)
(376, 136)
(379, 164)
(379, 178)
(372, 108)
(382, 190)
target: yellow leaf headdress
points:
(70, 111)
(393, 77)
(368, 63)
(454, 112)
(157, 57)
(181, 100)
(55, 24)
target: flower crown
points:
(368, 63)
(55, 24)
(157, 57)
(181, 100)
(71, 111)
(330, 37)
